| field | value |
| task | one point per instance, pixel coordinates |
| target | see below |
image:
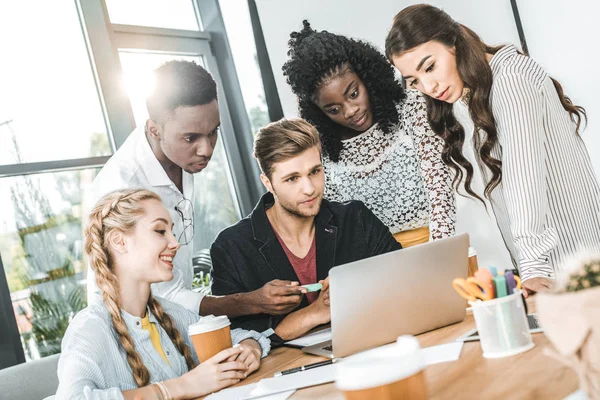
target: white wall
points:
(368, 20)
(563, 35)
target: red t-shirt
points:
(305, 268)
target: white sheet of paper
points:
(275, 396)
(298, 380)
(233, 393)
(286, 384)
(249, 392)
(442, 353)
(578, 395)
(313, 338)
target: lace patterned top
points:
(400, 176)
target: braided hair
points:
(119, 211)
(316, 57)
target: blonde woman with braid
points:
(133, 345)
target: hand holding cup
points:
(214, 374)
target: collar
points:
(502, 55)
(274, 255)
(155, 173)
(262, 230)
(134, 322)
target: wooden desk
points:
(530, 375)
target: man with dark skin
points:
(177, 141)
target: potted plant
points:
(570, 316)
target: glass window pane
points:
(243, 48)
(173, 14)
(48, 96)
(41, 245)
(216, 206)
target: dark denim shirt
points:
(247, 255)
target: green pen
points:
(313, 287)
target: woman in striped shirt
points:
(524, 130)
(133, 345)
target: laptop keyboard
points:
(328, 348)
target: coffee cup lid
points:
(380, 366)
(208, 324)
(472, 252)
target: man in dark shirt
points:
(293, 233)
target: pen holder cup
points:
(502, 326)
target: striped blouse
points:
(93, 365)
(548, 204)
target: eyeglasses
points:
(185, 209)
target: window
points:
(241, 39)
(48, 96)
(41, 243)
(173, 14)
(51, 118)
(73, 88)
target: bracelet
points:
(164, 391)
(157, 391)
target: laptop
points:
(405, 292)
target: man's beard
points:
(294, 211)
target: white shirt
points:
(135, 166)
(472, 216)
(93, 364)
(548, 204)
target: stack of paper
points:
(282, 387)
(313, 338)
(249, 392)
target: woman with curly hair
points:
(524, 132)
(377, 144)
(133, 345)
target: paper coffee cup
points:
(210, 335)
(473, 264)
(391, 372)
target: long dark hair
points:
(422, 23)
(315, 57)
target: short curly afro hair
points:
(315, 57)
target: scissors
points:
(471, 289)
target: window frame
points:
(100, 36)
(11, 350)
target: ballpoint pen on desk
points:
(305, 367)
